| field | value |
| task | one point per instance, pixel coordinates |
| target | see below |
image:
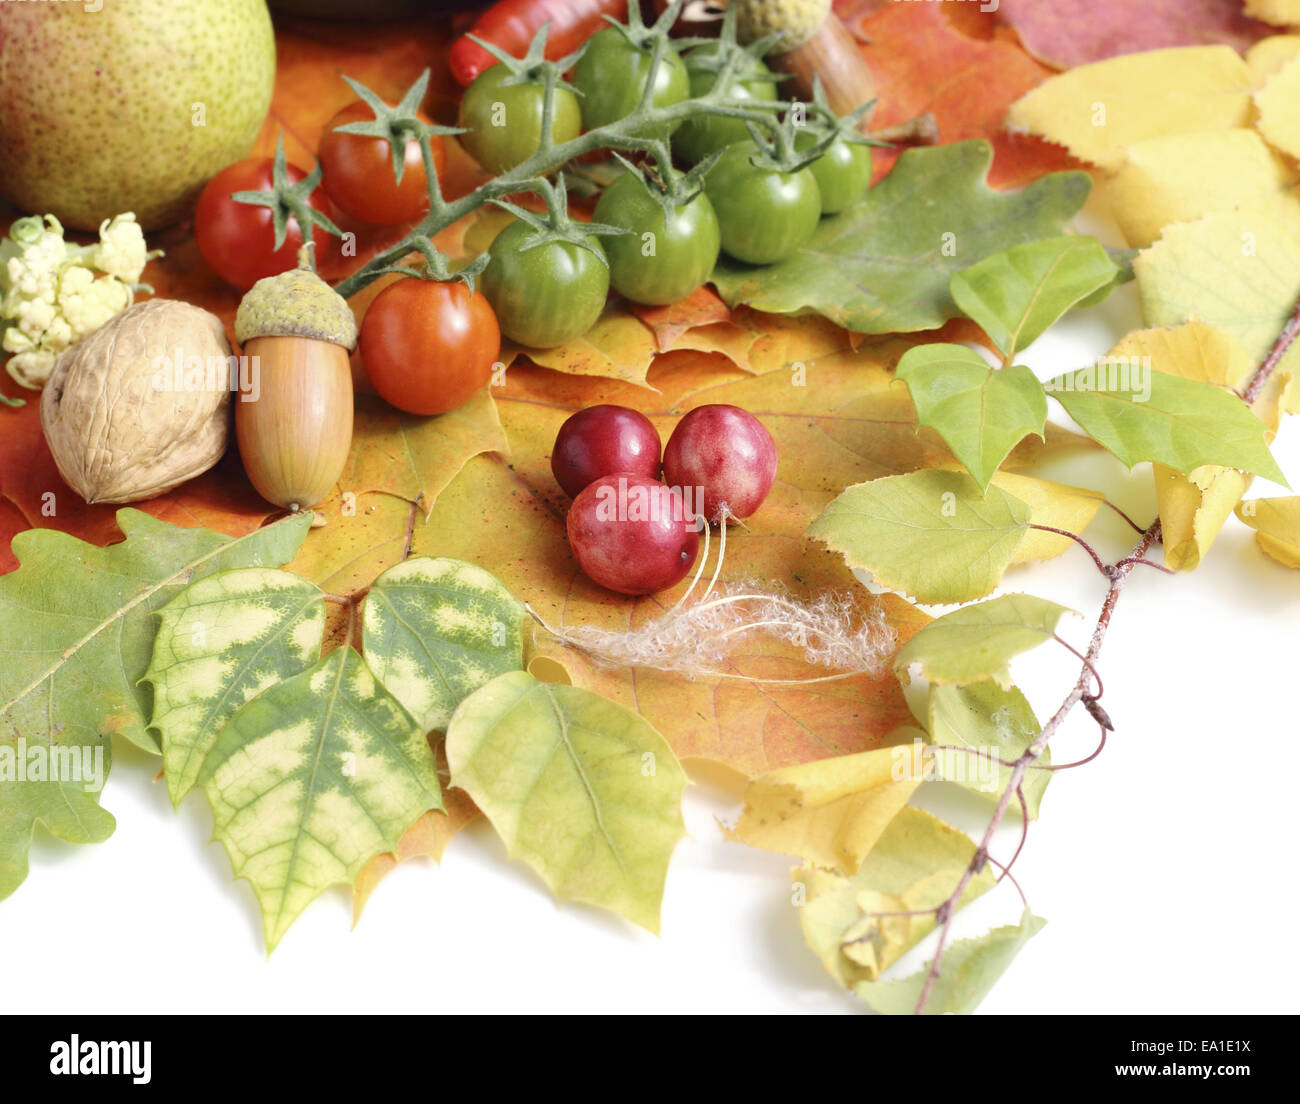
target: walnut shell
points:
(128, 411)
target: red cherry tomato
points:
(359, 172)
(428, 346)
(238, 239)
(511, 25)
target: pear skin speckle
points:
(133, 107)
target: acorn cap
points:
(297, 303)
(795, 20)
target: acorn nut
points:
(295, 431)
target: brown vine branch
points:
(946, 912)
(1280, 348)
(1118, 575)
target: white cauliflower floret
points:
(86, 303)
(121, 250)
(53, 294)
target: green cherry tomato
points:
(765, 215)
(843, 172)
(662, 260)
(503, 122)
(612, 76)
(546, 295)
(698, 138)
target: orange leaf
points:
(922, 63)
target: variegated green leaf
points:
(76, 631)
(312, 779)
(438, 629)
(582, 789)
(220, 643)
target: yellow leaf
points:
(1098, 110)
(1279, 108)
(1194, 507)
(1180, 177)
(619, 346)
(1276, 522)
(1268, 55)
(1054, 504)
(1275, 11)
(830, 811)
(915, 864)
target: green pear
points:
(109, 106)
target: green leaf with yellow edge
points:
(1018, 293)
(930, 534)
(883, 265)
(1097, 111)
(76, 630)
(1140, 414)
(311, 780)
(970, 968)
(1183, 177)
(981, 412)
(582, 789)
(220, 643)
(977, 642)
(1276, 522)
(915, 864)
(993, 723)
(831, 811)
(438, 629)
(1237, 270)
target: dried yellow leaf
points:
(1180, 177)
(1097, 111)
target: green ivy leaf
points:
(1017, 294)
(976, 642)
(1142, 414)
(883, 265)
(438, 629)
(76, 631)
(981, 412)
(928, 533)
(970, 968)
(582, 789)
(997, 722)
(311, 780)
(220, 643)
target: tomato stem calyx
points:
(286, 201)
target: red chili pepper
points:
(511, 25)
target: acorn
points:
(294, 425)
(814, 42)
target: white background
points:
(1167, 868)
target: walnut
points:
(142, 404)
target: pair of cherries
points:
(632, 533)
